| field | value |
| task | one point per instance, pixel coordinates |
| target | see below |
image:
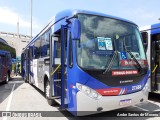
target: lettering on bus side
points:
(127, 72)
(137, 87)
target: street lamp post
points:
(31, 18)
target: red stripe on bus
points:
(109, 91)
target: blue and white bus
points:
(6, 55)
(88, 61)
(151, 37)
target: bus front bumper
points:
(87, 105)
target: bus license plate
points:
(125, 102)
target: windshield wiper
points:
(111, 62)
(112, 59)
(133, 57)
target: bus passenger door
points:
(155, 64)
(64, 59)
(56, 65)
(58, 70)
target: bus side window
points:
(57, 50)
(37, 50)
(31, 53)
(145, 40)
(43, 47)
(45, 44)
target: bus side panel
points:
(31, 73)
(40, 73)
(45, 70)
(9, 63)
(1, 67)
(4, 68)
(24, 68)
(35, 67)
(43, 67)
(79, 76)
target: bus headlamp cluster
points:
(88, 91)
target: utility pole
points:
(31, 19)
(18, 27)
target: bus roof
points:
(70, 13)
(155, 28)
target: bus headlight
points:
(88, 91)
(79, 87)
(94, 94)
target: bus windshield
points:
(101, 37)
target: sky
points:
(141, 12)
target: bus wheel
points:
(7, 78)
(47, 93)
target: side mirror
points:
(145, 40)
(145, 46)
(76, 29)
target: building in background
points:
(18, 41)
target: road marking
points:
(141, 108)
(10, 98)
(11, 82)
(9, 101)
(154, 102)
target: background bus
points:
(151, 37)
(6, 55)
(88, 61)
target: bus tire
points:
(7, 78)
(51, 102)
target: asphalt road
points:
(18, 96)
